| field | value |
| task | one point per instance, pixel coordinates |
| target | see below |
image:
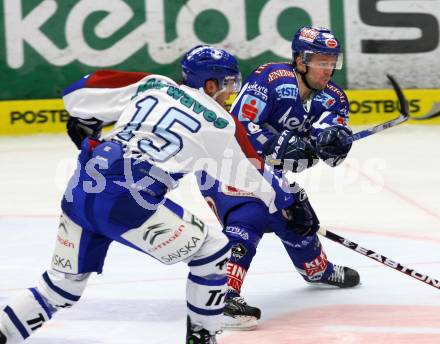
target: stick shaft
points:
(380, 258)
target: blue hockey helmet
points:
(204, 62)
(309, 40)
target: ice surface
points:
(386, 197)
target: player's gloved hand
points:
(289, 152)
(330, 145)
(78, 129)
(301, 217)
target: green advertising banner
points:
(47, 44)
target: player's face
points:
(320, 70)
(230, 86)
(220, 93)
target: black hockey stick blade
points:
(435, 112)
(380, 258)
(404, 115)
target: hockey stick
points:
(435, 112)
(404, 116)
(380, 258)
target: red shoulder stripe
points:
(107, 78)
(246, 146)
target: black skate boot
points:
(198, 335)
(238, 315)
(342, 277)
(2, 338)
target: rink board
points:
(18, 117)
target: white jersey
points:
(178, 129)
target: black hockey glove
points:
(301, 217)
(78, 129)
(330, 145)
(289, 152)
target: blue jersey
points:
(269, 103)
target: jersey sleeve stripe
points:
(106, 78)
(113, 79)
(246, 146)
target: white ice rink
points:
(386, 197)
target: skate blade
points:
(239, 323)
(321, 285)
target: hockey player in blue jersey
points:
(118, 190)
(294, 116)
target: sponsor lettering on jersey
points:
(169, 240)
(257, 90)
(65, 242)
(233, 191)
(251, 108)
(237, 231)
(197, 222)
(186, 100)
(61, 262)
(287, 91)
(341, 95)
(316, 267)
(261, 68)
(325, 99)
(280, 73)
(216, 297)
(294, 123)
(236, 275)
(186, 250)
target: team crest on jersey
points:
(325, 99)
(287, 91)
(238, 251)
(251, 108)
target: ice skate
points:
(2, 338)
(238, 315)
(198, 335)
(342, 277)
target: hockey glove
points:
(289, 152)
(78, 129)
(301, 217)
(330, 145)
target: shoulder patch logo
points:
(251, 108)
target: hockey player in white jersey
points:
(118, 193)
